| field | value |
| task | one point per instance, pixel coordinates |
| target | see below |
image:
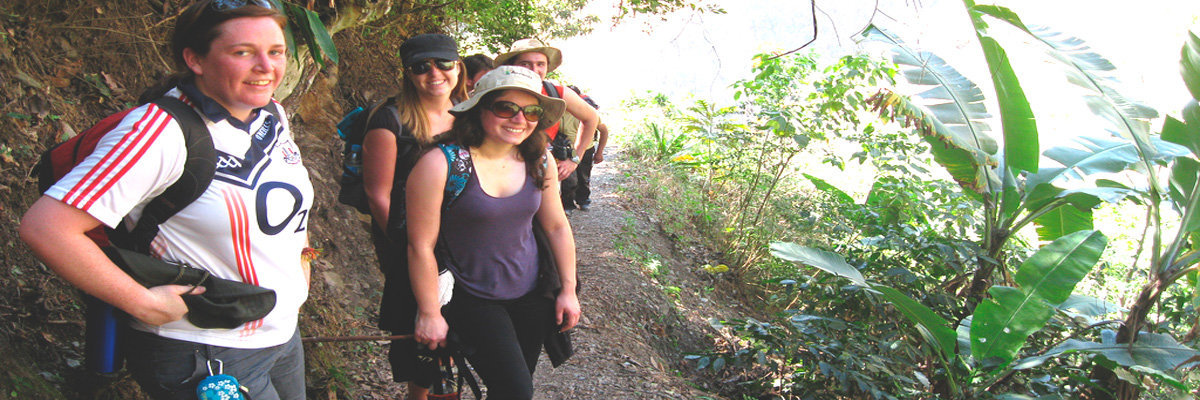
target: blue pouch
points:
(218, 386)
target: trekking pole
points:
(367, 338)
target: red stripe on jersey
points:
(145, 145)
(143, 132)
(239, 223)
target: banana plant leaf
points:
(1186, 132)
(1096, 155)
(1183, 186)
(935, 329)
(821, 259)
(1190, 64)
(1054, 270)
(833, 191)
(1093, 73)
(950, 113)
(1020, 127)
(1063, 220)
(1002, 324)
(1152, 350)
(969, 166)
(1087, 305)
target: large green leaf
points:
(949, 112)
(936, 327)
(1095, 155)
(1183, 132)
(1157, 351)
(314, 33)
(1089, 306)
(1061, 221)
(1074, 211)
(969, 166)
(1190, 64)
(833, 191)
(321, 36)
(1002, 323)
(1183, 186)
(1020, 128)
(1093, 73)
(829, 262)
(1054, 270)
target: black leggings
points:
(503, 339)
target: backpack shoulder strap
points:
(459, 170)
(551, 89)
(198, 172)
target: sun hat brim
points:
(507, 77)
(553, 55)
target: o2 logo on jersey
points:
(271, 206)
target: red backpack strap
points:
(198, 172)
(555, 91)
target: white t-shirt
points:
(250, 225)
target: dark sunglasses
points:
(226, 5)
(508, 109)
(424, 67)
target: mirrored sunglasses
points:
(424, 67)
(508, 109)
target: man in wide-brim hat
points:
(540, 58)
(553, 55)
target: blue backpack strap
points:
(459, 170)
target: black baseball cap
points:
(428, 45)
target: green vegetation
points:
(977, 265)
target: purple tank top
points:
(491, 241)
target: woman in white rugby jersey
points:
(249, 225)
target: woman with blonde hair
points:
(434, 79)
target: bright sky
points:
(702, 54)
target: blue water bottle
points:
(102, 348)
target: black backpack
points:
(199, 168)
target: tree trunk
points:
(1113, 388)
(982, 279)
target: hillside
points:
(65, 65)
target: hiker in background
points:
(477, 65)
(229, 58)
(577, 188)
(433, 79)
(497, 312)
(534, 55)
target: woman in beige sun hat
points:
(500, 313)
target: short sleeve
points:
(130, 165)
(385, 118)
